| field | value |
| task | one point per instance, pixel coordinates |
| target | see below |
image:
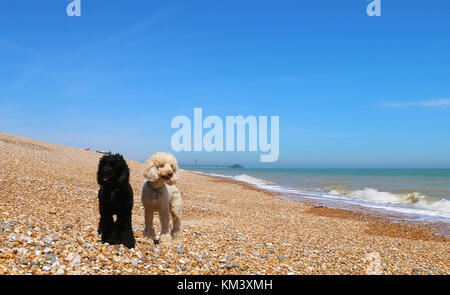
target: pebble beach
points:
(49, 217)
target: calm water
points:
(425, 192)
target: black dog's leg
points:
(106, 227)
(123, 231)
(106, 224)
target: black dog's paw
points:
(127, 239)
(129, 244)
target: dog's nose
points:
(169, 174)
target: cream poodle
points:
(160, 194)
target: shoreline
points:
(347, 205)
(323, 208)
(49, 218)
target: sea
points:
(419, 194)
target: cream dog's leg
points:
(164, 218)
(149, 231)
(175, 211)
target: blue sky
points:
(350, 90)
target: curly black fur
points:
(115, 198)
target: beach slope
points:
(49, 217)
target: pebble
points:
(51, 257)
(76, 261)
(136, 262)
(180, 251)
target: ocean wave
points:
(252, 180)
(415, 200)
(408, 203)
(373, 195)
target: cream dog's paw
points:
(148, 234)
(165, 238)
(177, 235)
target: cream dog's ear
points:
(174, 165)
(150, 172)
(173, 179)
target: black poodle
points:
(115, 197)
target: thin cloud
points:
(45, 61)
(20, 48)
(131, 30)
(444, 102)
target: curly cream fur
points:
(161, 195)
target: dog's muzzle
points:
(168, 176)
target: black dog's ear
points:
(101, 163)
(124, 177)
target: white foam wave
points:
(373, 195)
(252, 180)
(408, 203)
(412, 203)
